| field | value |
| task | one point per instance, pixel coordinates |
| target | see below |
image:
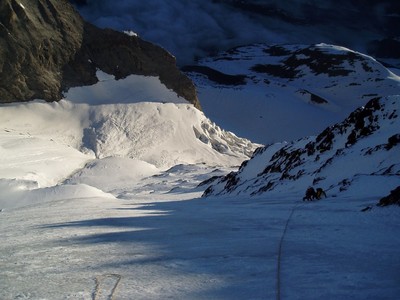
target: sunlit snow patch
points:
(163, 135)
(132, 89)
(112, 173)
(130, 33)
(20, 193)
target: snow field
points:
(275, 109)
(182, 247)
(340, 252)
(132, 89)
(43, 144)
(102, 200)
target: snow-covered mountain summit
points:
(357, 156)
(284, 92)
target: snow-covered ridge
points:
(288, 91)
(133, 128)
(153, 124)
(163, 134)
(359, 154)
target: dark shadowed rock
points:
(392, 198)
(46, 48)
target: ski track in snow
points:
(179, 246)
(106, 286)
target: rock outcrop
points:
(392, 198)
(46, 48)
(359, 153)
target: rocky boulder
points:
(46, 48)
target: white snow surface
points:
(182, 247)
(43, 144)
(278, 108)
(132, 89)
(102, 201)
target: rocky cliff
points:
(46, 48)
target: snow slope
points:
(285, 92)
(359, 156)
(102, 201)
(40, 141)
(134, 88)
(176, 246)
(42, 144)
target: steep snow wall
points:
(46, 142)
(152, 123)
(163, 134)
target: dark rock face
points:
(392, 198)
(37, 38)
(46, 48)
(217, 76)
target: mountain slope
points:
(359, 155)
(285, 92)
(46, 147)
(46, 48)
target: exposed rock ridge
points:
(365, 144)
(37, 38)
(46, 48)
